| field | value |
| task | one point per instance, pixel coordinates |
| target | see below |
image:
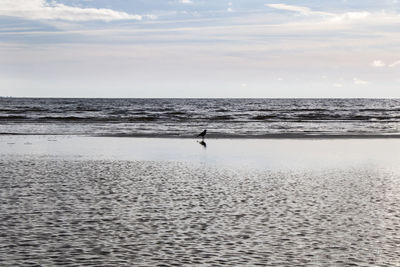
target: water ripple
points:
(138, 213)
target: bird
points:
(202, 134)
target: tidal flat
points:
(79, 210)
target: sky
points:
(200, 48)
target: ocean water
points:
(101, 201)
(186, 117)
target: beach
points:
(108, 201)
(199, 133)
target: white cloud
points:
(44, 10)
(300, 9)
(361, 17)
(378, 64)
(394, 64)
(338, 85)
(186, 1)
(333, 17)
(359, 81)
(377, 18)
(350, 16)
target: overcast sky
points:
(199, 48)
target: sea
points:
(232, 118)
(165, 202)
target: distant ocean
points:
(187, 117)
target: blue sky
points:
(198, 48)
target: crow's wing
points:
(202, 133)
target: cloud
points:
(359, 81)
(350, 16)
(376, 18)
(300, 9)
(338, 85)
(230, 9)
(378, 64)
(186, 1)
(44, 10)
(394, 64)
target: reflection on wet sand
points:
(203, 143)
(148, 213)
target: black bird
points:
(202, 134)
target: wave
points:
(184, 117)
(143, 119)
(305, 135)
(13, 117)
(24, 111)
(98, 119)
(68, 118)
(221, 118)
(177, 113)
(221, 110)
(262, 136)
(263, 117)
(379, 110)
(89, 109)
(323, 118)
(124, 113)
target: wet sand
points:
(74, 201)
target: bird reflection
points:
(202, 143)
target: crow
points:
(202, 134)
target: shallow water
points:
(155, 213)
(271, 154)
